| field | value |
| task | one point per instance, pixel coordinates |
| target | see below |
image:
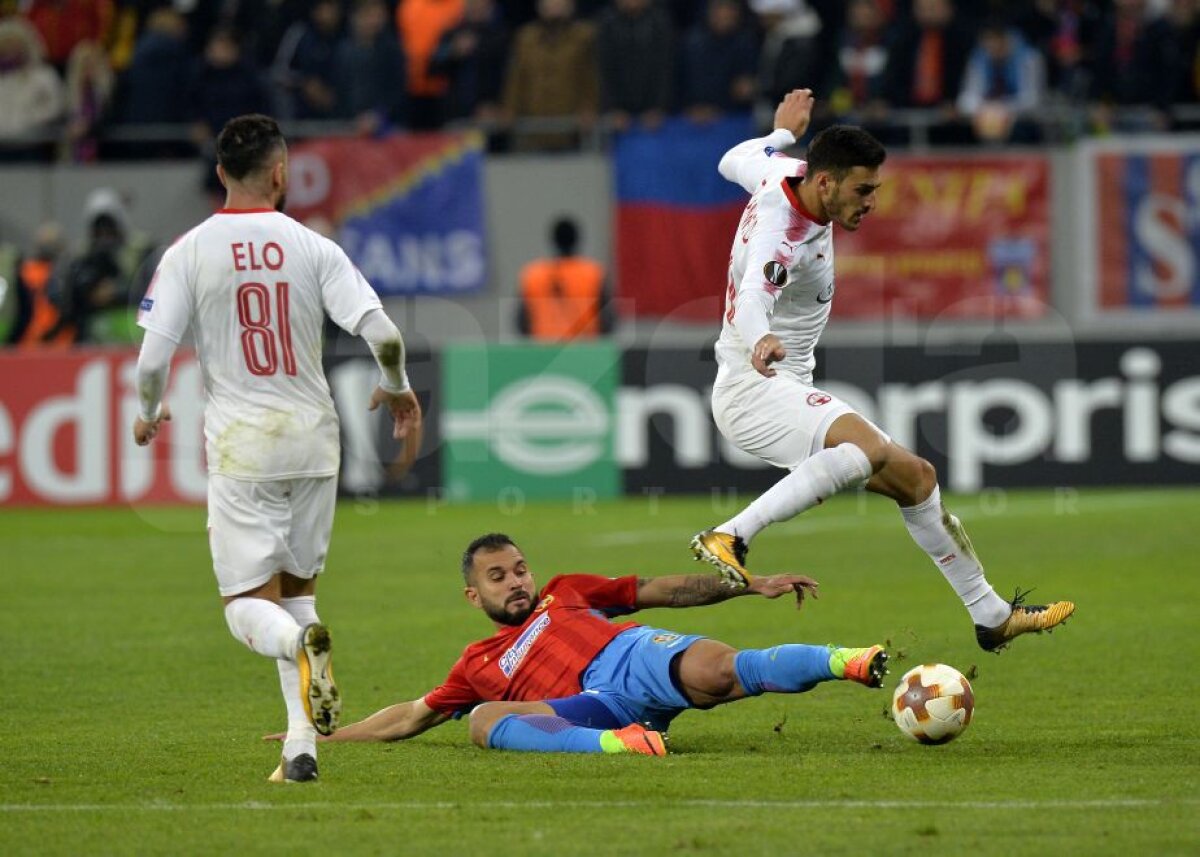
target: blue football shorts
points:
(630, 682)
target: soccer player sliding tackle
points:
(779, 293)
(558, 675)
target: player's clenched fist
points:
(795, 111)
(145, 431)
(766, 351)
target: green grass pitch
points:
(132, 720)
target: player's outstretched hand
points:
(766, 351)
(781, 584)
(145, 431)
(795, 111)
(406, 425)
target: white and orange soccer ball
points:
(933, 703)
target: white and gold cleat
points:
(1024, 619)
(727, 553)
(318, 693)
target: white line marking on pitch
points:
(1101, 803)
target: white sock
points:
(301, 736)
(264, 626)
(302, 608)
(816, 479)
(946, 542)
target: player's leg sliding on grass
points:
(855, 451)
(568, 678)
(706, 674)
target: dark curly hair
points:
(840, 148)
(486, 542)
(246, 143)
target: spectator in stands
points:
(259, 24)
(1004, 83)
(113, 271)
(1064, 31)
(63, 24)
(89, 93)
(520, 12)
(564, 298)
(38, 321)
(856, 80)
(1133, 66)
(473, 56)
(371, 71)
(635, 44)
(31, 95)
(421, 25)
(793, 52)
(719, 64)
(553, 73)
(160, 71)
(925, 67)
(224, 84)
(304, 71)
(1183, 19)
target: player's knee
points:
(481, 720)
(720, 678)
(912, 477)
(926, 478)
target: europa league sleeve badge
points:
(775, 273)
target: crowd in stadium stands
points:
(73, 71)
(55, 296)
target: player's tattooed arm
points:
(682, 590)
(695, 590)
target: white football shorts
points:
(781, 420)
(257, 529)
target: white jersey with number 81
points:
(254, 287)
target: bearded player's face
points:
(502, 585)
(852, 198)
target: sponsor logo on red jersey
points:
(516, 653)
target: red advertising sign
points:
(962, 237)
(66, 423)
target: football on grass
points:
(933, 703)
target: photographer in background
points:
(114, 267)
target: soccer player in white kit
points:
(780, 290)
(254, 286)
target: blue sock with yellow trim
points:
(543, 733)
(791, 668)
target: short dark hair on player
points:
(840, 148)
(486, 542)
(246, 143)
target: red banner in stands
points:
(958, 237)
(65, 431)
